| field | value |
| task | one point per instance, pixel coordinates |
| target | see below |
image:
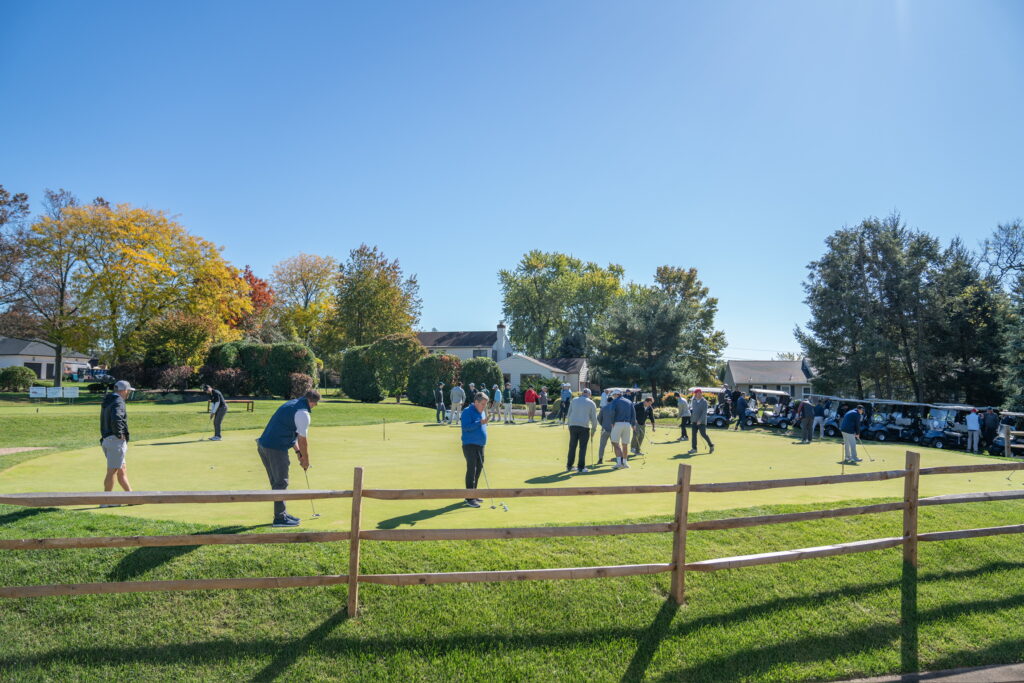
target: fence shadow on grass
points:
(668, 622)
(18, 515)
(142, 560)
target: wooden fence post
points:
(1007, 450)
(679, 537)
(353, 544)
(910, 496)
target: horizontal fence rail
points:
(679, 528)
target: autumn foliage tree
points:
(373, 298)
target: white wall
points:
(516, 366)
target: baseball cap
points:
(616, 392)
(123, 385)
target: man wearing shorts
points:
(114, 436)
(623, 420)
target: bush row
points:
(16, 378)
(260, 369)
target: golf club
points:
(493, 506)
(311, 503)
(861, 442)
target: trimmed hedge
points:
(358, 376)
(16, 378)
(268, 367)
(427, 372)
(483, 372)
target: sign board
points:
(70, 392)
(53, 392)
(37, 392)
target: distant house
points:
(792, 376)
(518, 368)
(38, 357)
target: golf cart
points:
(1016, 423)
(776, 412)
(945, 426)
(716, 416)
(895, 420)
(835, 408)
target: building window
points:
(806, 391)
(494, 355)
(479, 353)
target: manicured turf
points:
(424, 455)
(818, 619)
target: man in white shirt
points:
(973, 430)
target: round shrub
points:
(483, 372)
(284, 360)
(229, 381)
(132, 372)
(393, 357)
(16, 378)
(223, 356)
(427, 372)
(173, 378)
(358, 377)
(300, 383)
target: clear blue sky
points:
(729, 136)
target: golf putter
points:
(311, 503)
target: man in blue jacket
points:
(850, 427)
(474, 438)
(288, 428)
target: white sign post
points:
(37, 392)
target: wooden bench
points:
(250, 405)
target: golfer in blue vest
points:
(474, 438)
(288, 428)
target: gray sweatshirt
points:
(699, 411)
(582, 413)
(458, 395)
(684, 407)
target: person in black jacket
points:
(218, 408)
(644, 413)
(114, 436)
(439, 409)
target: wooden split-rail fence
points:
(677, 564)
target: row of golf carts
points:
(930, 425)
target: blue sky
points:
(726, 136)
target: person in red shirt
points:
(530, 397)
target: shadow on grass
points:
(141, 560)
(667, 623)
(550, 478)
(168, 443)
(909, 661)
(413, 517)
(18, 515)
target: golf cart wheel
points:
(939, 443)
(783, 425)
(830, 431)
(749, 421)
(881, 436)
(719, 423)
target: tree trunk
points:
(58, 364)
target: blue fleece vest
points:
(280, 433)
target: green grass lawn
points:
(813, 620)
(424, 455)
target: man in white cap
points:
(623, 419)
(114, 436)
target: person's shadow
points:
(413, 517)
(142, 560)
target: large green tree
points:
(392, 358)
(373, 298)
(659, 339)
(549, 297)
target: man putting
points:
(218, 408)
(288, 428)
(114, 437)
(474, 438)
(623, 419)
(850, 428)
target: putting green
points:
(417, 455)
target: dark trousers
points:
(683, 421)
(439, 412)
(578, 436)
(276, 463)
(543, 411)
(563, 410)
(638, 438)
(474, 463)
(703, 429)
(807, 425)
(218, 418)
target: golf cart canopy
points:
(769, 392)
(1011, 414)
(707, 390)
(942, 406)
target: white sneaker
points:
(584, 470)
(214, 438)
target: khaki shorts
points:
(115, 449)
(621, 433)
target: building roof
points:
(10, 346)
(535, 361)
(457, 339)
(768, 372)
(568, 365)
